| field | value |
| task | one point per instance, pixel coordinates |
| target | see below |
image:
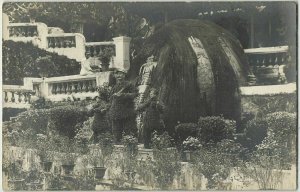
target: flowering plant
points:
(192, 144)
(130, 145)
(161, 141)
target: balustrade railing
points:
(23, 31)
(61, 42)
(72, 87)
(94, 49)
(267, 56)
(16, 96)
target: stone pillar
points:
(5, 22)
(122, 60)
(45, 89)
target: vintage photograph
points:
(198, 95)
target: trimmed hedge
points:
(61, 118)
(215, 128)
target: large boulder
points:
(200, 67)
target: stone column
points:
(5, 22)
(122, 60)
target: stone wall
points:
(260, 105)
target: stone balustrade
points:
(268, 64)
(95, 48)
(23, 31)
(267, 56)
(73, 87)
(27, 32)
(15, 96)
(61, 42)
(71, 45)
(55, 89)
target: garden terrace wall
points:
(261, 100)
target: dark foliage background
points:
(19, 60)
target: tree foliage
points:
(21, 60)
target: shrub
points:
(215, 128)
(184, 130)
(282, 129)
(65, 118)
(255, 132)
(213, 164)
(35, 119)
(282, 124)
(265, 165)
(161, 141)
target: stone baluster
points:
(19, 97)
(53, 90)
(13, 97)
(88, 50)
(50, 42)
(90, 88)
(69, 89)
(62, 42)
(64, 88)
(73, 87)
(86, 86)
(270, 59)
(283, 58)
(16, 32)
(55, 43)
(83, 86)
(79, 87)
(25, 97)
(30, 32)
(73, 43)
(94, 86)
(58, 89)
(5, 96)
(11, 32)
(29, 98)
(35, 33)
(95, 51)
(276, 59)
(23, 31)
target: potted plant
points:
(100, 156)
(34, 179)
(55, 183)
(190, 145)
(44, 148)
(130, 152)
(68, 163)
(16, 179)
(105, 56)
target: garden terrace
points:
(268, 63)
(72, 45)
(54, 88)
